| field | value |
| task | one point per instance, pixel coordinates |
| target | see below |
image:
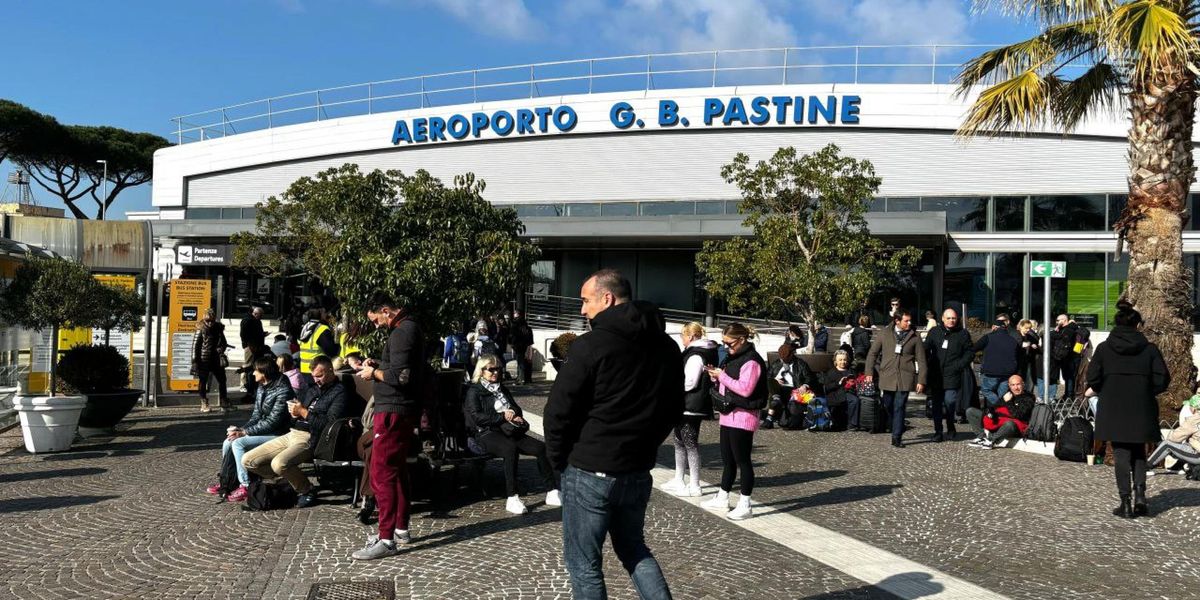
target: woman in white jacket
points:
(698, 352)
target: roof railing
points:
(923, 64)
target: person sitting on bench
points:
(1008, 419)
(493, 413)
(1183, 442)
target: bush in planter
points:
(92, 370)
(559, 348)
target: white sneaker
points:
(515, 506)
(553, 498)
(983, 445)
(975, 442)
(375, 548)
(691, 491)
(673, 486)
(719, 501)
(742, 510)
(402, 536)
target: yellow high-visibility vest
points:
(346, 347)
(310, 350)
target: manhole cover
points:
(383, 589)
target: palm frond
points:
(1049, 12)
(1048, 52)
(1151, 35)
(1020, 102)
(1097, 89)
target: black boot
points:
(1139, 501)
(950, 430)
(368, 511)
(1125, 510)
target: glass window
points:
(585, 209)
(710, 207)
(1116, 204)
(1068, 213)
(1118, 280)
(249, 213)
(539, 210)
(731, 206)
(877, 205)
(1010, 213)
(962, 214)
(903, 204)
(231, 213)
(1080, 294)
(658, 209)
(1008, 283)
(203, 213)
(965, 286)
(618, 209)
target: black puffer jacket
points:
(479, 408)
(270, 414)
(209, 344)
(1128, 373)
(619, 396)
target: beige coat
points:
(896, 372)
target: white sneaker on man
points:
(719, 501)
(742, 510)
(402, 536)
(515, 506)
(976, 441)
(375, 548)
(674, 486)
(553, 498)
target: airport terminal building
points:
(616, 162)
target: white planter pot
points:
(49, 422)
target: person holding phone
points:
(268, 419)
(741, 380)
(838, 385)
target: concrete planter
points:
(104, 410)
(48, 423)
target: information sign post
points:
(1046, 270)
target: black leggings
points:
(219, 373)
(1129, 456)
(735, 455)
(508, 448)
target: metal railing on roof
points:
(927, 64)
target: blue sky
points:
(137, 63)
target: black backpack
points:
(1063, 347)
(338, 440)
(1074, 440)
(1041, 424)
(262, 495)
(227, 478)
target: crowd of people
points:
(628, 386)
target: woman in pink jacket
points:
(741, 382)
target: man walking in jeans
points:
(611, 407)
(397, 407)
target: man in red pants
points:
(397, 409)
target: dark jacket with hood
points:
(209, 344)
(270, 415)
(619, 394)
(1128, 372)
(948, 354)
(999, 353)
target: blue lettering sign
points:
(621, 115)
(565, 118)
(479, 122)
(736, 112)
(437, 129)
(761, 113)
(827, 110)
(525, 121)
(668, 113)
(459, 127)
(850, 110)
(420, 129)
(713, 108)
(781, 105)
(400, 133)
(542, 113)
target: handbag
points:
(514, 429)
(224, 361)
(720, 403)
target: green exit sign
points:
(1048, 268)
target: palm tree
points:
(1137, 55)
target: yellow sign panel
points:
(189, 299)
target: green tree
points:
(62, 159)
(443, 251)
(1141, 57)
(811, 251)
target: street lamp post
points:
(104, 193)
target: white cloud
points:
(671, 25)
(501, 18)
(908, 21)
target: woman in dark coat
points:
(1128, 372)
(208, 347)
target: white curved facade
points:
(645, 196)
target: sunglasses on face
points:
(491, 369)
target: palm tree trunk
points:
(1161, 174)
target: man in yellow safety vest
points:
(316, 339)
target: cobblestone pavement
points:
(125, 517)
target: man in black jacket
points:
(522, 339)
(611, 407)
(948, 348)
(398, 380)
(999, 361)
(321, 402)
(253, 345)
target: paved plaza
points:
(126, 517)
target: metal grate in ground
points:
(379, 589)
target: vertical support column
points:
(710, 310)
(939, 279)
(149, 226)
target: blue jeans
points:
(240, 447)
(894, 403)
(595, 506)
(993, 388)
(1038, 390)
(945, 405)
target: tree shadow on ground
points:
(1167, 500)
(48, 503)
(796, 478)
(842, 495)
(38, 475)
(914, 584)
